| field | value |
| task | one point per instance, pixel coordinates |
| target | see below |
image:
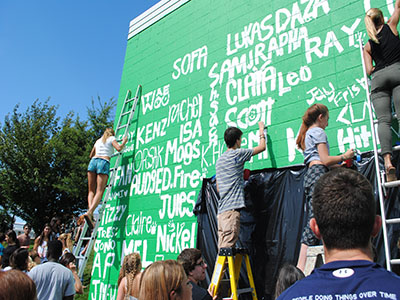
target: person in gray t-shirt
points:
(229, 169)
(52, 279)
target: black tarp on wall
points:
(272, 223)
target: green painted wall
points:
(211, 64)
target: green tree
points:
(43, 161)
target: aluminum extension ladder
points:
(234, 256)
(124, 122)
(380, 175)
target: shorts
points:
(228, 228)
(99, 166)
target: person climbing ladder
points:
(383, 49)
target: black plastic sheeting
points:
(274, 217)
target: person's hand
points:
(125, 139)
(261, 125)
(349, 154)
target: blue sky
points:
(70, 51)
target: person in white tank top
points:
(99, 168)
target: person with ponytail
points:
(129, 277)
(313, 140)
(383, 49)
(99, 168)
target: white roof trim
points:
(152, 15)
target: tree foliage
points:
(43, 161)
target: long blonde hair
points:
(68, 241)
(131, 266)
(310, 117)
(373, 19)
(160, 279)
(107, 133)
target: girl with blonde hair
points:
(383, 49)
(165, 280)
(66, 241)
(99, 169)
(129, 277)
(313, 140)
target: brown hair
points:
(160, 279)
(310, 117)
(107, 133)
(373, 19)
(131, 267)
(14, 284)
(188, 258)
(344, 209)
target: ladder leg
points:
(233, 279)
(250, 275)
(219, 271)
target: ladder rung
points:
(122, 126)
(245, 290)
(393, 221)
(130, 100)
(125, 113)
(395, 261)
(86, 238)
(391, 184)
(80, 257)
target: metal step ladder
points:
(234, 256)
(380, 174)
(124, 122)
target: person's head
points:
(373, 20)
(45, 235)
(107, 133)
(344, 210)
(27, 229)
(233, 136)
(316, 113)
(193, 264)
(68, 260)
(34, 259)
(19, 259)
(131, 266)
(11, 237)
(288, 275)
(14, 284)
(165, 280)
(54, 249)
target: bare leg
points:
(387, 159)
(301, 263)
(91, 187)
(101, 184)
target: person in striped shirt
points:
(230, 182)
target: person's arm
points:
(368, 58)
(93, 152)
(394, 19)
(261, 144)
(36, 244)
(328, 160)
(121, 289)
(121, 146)
(78, 284)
